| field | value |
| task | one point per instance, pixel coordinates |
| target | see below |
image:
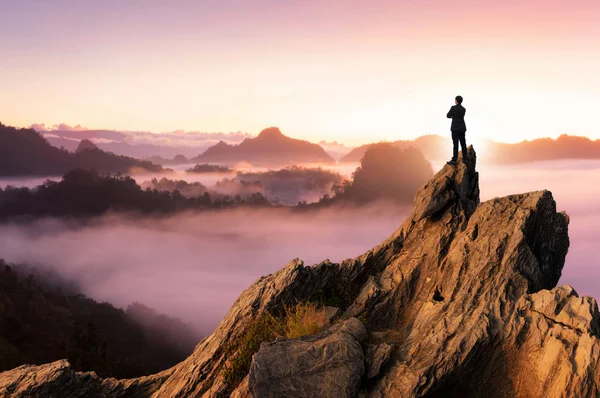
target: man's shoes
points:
(452, 162)
(465, 159)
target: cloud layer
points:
(192, 266)
(195, 266)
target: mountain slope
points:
(43, 319)
(269, 148)
(459, 301)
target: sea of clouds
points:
(194, 266)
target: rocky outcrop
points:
(460, 301)
(551, 345)
(57, 379)
(330, 362)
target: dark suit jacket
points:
(457, 114)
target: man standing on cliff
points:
(459, 129)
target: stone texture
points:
(451, 186)
(376, 355)
(243, 390)
(552, 345)
(464, 292)
(57, 379)
(327, 364)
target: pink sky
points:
(352, 71)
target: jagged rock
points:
(327, 364)
(376, 355)
(57, 379)
(452, 185)
(563, 306)
(464, 292)
(552, 346)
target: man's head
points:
(458, 100)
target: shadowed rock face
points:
(455, 303)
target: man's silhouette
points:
(458, 128)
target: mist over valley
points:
(193, 266)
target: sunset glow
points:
(355, 72)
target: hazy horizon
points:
(194, 143)
(477, 137)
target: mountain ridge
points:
(436, 147)
(145, 145)
(26, 152)
(271, 147)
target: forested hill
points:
(41, 323)
(83, 194)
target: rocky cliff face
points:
(459, 301)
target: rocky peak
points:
(459, 301)
(452, 186)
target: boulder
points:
(327, 364)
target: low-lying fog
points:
(195, 266)
(208, 179)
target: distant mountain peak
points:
(221, 144)
(86, 145)
(270, 133)
(270, 148)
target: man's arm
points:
(450, 114)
